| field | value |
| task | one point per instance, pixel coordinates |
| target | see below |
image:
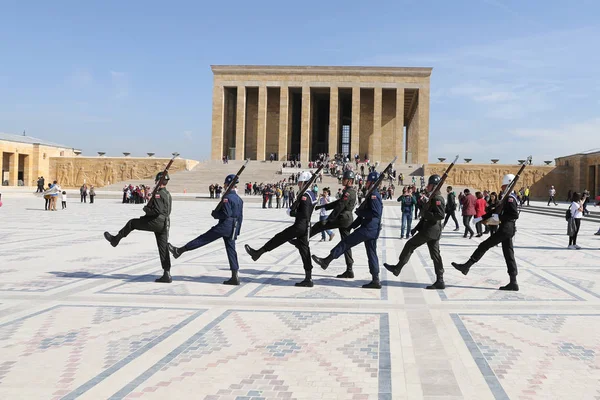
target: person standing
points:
(480, 206)
(468, 211)
(367, 227)
(407, 204)
(83, 193)
(551, 194)
(492, 204)
(230, 217)
(156, 220)
(574, 223)
(507, 215)
(92, 194)
(52, 193)
(298, 230)
(430, 232)
(526, 196)
(278, 194)
(323, 201)
(64, 199)
(451, 208)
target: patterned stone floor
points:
(79, 319)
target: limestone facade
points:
(489, 177)
(585, 168)
(102, 171)
(23, 159)
(303, 111)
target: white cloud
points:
(120, 83)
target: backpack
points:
(568, 214)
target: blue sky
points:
(510, 78)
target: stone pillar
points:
(305, 125)
(217, 123)
(13, 169)
(375, 138)
(240, 123)
(261, 134)
(355, 127)
(399, 126)
(28, 179)
(283, 123)
(418, 135)
(334, 118)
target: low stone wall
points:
(102, 171)
(489, 177)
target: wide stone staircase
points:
(199, 179)
(559, 211)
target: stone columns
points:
(305, 125)
(283, 123)
(423, 114)
(399, 126)
(240, 123)
(13, 169)
(334, 118)
(217, 123)
(261, 134)
(375, 139)
(355, 127)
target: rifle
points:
(162, 179)
(487, 219)
(436, 189)
(308, 184)
(231, 185)
(376, 184)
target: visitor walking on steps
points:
(551, 194)
(575, 213)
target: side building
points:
(298, 112)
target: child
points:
(64, 200)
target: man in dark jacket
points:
(156, 220)
(341, 218)
(368, 226)
(299, 231)
(451, 207)
(507, 215)
(230, 214)
(429, 231)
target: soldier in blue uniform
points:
(508, 216)
(230, 217)
(298, 231)
(430, 231)
(367, 227)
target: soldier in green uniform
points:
(341, 217)
(156, 220)
(430, 231)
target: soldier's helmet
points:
(349, 175)
(304, 176)
(434, 179)
(508, 178)
(229, 178)
(159, 176)
(373, 176)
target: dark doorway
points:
(592, 184)
(296, 122)
(229, 119)
(320, 122)
(345, 125)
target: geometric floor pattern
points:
(80, 319)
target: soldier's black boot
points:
(176, 251)
(235, 280)
(323, 262)
(464, 268)
(513, 286)
(374, 284)
(166, 278)
(394, 269)
(307, 282)
(438, 284)
(255, 254)
(114, 240)
(348, 274)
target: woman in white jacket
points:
(53, 192)
(576, 209)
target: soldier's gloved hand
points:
(413, 231)
(146, 209)
(495, 217)
(214, 214)
(318, 207)
(323, 222)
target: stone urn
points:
(101, 153)
(521, 162)
(467, 160)
(442, 159)
(176, 154)
(495, 160)
(77, 152)
(150, 154)
(126, 154)
(548, 162)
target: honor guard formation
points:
(360, 225)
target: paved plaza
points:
(80, 319)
